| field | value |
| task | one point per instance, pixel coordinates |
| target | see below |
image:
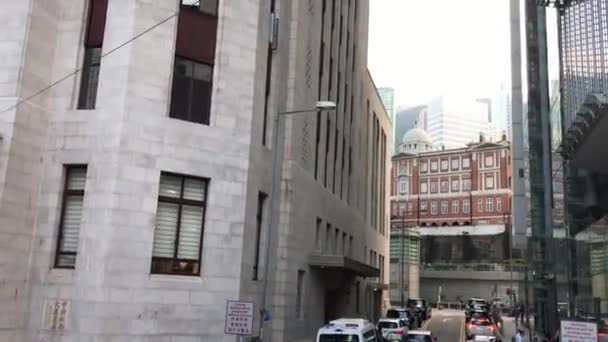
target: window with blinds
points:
(178, 231)
(71, 214)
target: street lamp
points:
(320, 106)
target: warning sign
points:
(239, 318)
(572, 331)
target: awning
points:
(485, 229)
(340, 262)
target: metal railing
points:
(479, 267)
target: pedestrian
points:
(518, 337)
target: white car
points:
(392, 329)
(347, 330)
(420, 336)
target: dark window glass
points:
(258, 233)
(191, 91)
(90, 78)
(178, 232)
(338, 338)
(71, 213)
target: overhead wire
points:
(77, 70)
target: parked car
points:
(392, 329)
(413, 320)
(347, 330)
(420, 336)
(421, 306)
(481, 327)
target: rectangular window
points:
(455, 185)
(424, 167)
(466, 163)
(455, 164)
(480, 205)
(336, 241)
(489, 205)
(489, 161)
(444, 165)
(434, 166)
(466, 184)
(300, 293)
(328, 243)
(403, 184)
(401, 209)
(424, 188)
(191, 91)
(259, 218)
(410, 208)
(489, 181)
(71, 215)
(444, 186)
(433, 187)
(205, 6)
(423, 206)
(357, 297)
(89, 79)
(433, 208)
(499, 204)
(178, 232)
(466, 206)
(319, 235)
(344, 246)
(350, 246)
(444, 207)
(455, 206)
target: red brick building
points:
(456, 187)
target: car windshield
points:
(481, 323)
(418, 338)
(395, 314)
(387, 325)
(414, 302)
(338, 338)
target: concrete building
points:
(135, 162)
(453, 122)
(458, 201)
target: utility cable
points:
(27, 99)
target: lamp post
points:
(320, 106)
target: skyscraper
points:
(453, 122)
(406, 119)
(387, 94)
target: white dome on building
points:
(416, 140)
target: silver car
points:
(481, 327)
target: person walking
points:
(518, 337)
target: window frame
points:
(434, 208)
(499, 204)
(424, 187)
(181, 202)
(466, 185)
(466, 206)
(489, 177)
(434, 166)
(206, 116)
(423, 206)
(467, 161)
(64, 197)
(455, 186)
(445, 165)
(444, 186)
(480, 205)
(445, 208)
(424, 167)
(198, 7)
(455, 206)
(489, 205)
(434, 187)
(455, 164)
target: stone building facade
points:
(135, 161)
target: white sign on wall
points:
(239, 318)
(572, 331)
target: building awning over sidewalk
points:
(340, 262)
(486, 229)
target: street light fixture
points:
(320, 106)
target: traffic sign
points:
(573, 331)
(239, 318)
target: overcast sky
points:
(423, 48)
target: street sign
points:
(239, 318)
(573, 331)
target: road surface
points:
(447, 325)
